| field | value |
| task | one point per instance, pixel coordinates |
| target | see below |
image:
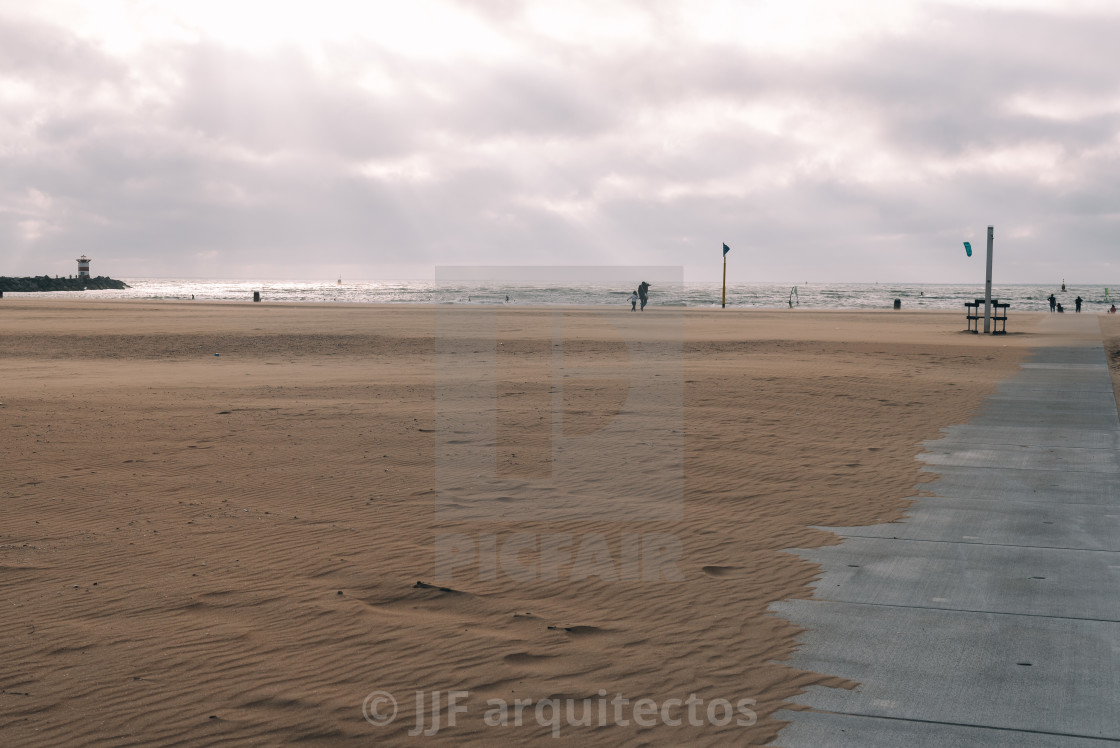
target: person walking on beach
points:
(633, 301)
(1053, 302)
(1077, 305)
(643, 293)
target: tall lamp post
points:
(988, 285)
(723, 300)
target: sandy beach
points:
(202, 549)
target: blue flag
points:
(726, 249)
(968, 249)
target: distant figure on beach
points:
(643, 293)
(507, 299)
(633, 301)
(1053, 302)
(1077, 305)
(1061, 309)
(192, 297)
(1112, 309)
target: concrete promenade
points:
(990, 616)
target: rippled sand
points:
(201, 549)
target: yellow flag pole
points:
(724, 300)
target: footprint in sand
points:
(426, 586)
(525, 658)
(578, 630)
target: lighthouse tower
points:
(83, 267)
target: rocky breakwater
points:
(46, 283)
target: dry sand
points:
(199, 550)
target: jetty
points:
(46, 283)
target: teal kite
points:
(968, 249)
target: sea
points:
(1097, 298)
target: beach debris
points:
(426, 586)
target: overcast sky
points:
(823, 140)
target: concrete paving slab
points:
(1071, 395)
(1039, 436)
(1099, 363)
(1069, 355)
(1090, 353)
(1102, 365)
(857, 731)
(970, 576)
(1008, 484)
(1048, 415)
(1045, 388)
(1029, 370)
(1031, 407)
(1024, 523)
(1055, 676)
(1021, 457)
(1039, 401)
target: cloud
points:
(854, 146)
